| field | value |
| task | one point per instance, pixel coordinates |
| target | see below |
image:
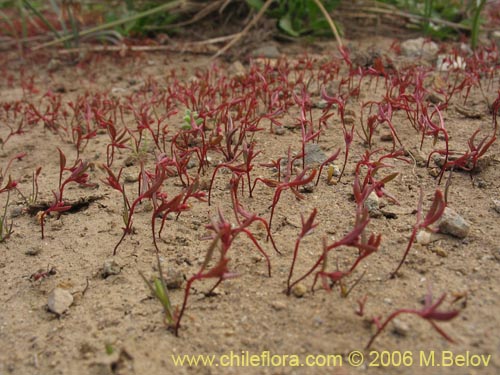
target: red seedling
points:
(43, 274)
(306, 228)
(280, 186)
(429, 312)
(219, 271)
(435, 212)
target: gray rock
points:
(33, 251)
(110, 267)
(322, 103)
(372, 203)
(16, 212)
(314, 155)
(174, 278)
(419, 48)
(452, 223)
(278, 130)
(59, 301)
(269, 51)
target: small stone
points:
(32, 251)
(468, 112)
(372, 203)
(309, 188)
(321, 104)
(174, 278)
(278, 130)
(434, 172)
(110, 267)
(496, 205)
(16, 212)
(419, 47)
(314, 155)
(438, 250)
(349, 120)
(496, 254)
(452, 223)
(299, 290)
(480, 183)
(237, 69)
(400, 328)
(268, 51)
(336, 171)
(424, 237)
(131, 160)
(191, 164)
(278, 305)
(495, 36)
(130, 177)
(387, 137)
(59, 301)
(436, 98)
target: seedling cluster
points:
(200, 142)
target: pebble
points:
(372, 203)
(278, 305)
(59, 301)
(495, 36)
(299, 290)
(434, 172)
(438, 250)
(130, 177)
(309, 188)
(110, 267)
(424, 237)
(16, 212)
(387, 137)
(419, 47)
(496, 254)
(321, 104)
(237, 69)
(496, 205)
(269, 51)
(314, 155)
(400, 328)
(278, 130)
(452, 223)
(336, 171)
(174, 278)
(32, 251)
(129, 161)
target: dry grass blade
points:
(238, 36)
(330, 22)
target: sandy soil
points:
(251, 312)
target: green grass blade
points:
(109, 25)
(42, 18)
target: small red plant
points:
(287, 183)
(429, 312)
(435, 212)
(306, 228)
